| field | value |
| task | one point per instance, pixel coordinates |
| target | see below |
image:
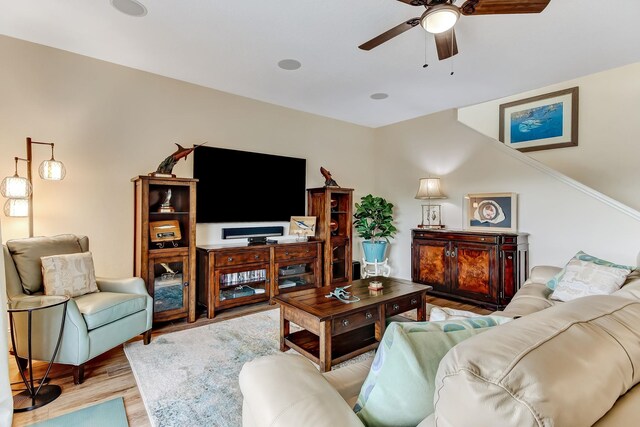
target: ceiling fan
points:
(441, 15)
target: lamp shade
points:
(440, 18)
(16, 207)
(430, 189)
(52, 170)
(15, 187)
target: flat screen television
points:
(243, 186)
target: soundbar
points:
(249, 232)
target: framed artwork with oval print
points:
(492, 212)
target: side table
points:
(34, 397)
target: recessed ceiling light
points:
(289, 64)
(130, 7)
(380, 95)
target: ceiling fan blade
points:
(414, 2)
(446, 44)
(496, 7)
(388, 35)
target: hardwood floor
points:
(110, 375)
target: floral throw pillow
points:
(71, 274)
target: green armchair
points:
(95, 322)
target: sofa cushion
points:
(582, 256)
(531, 370)
(585, 278)
(399, 388)
(26, 254)
(69, 274)
(101, 308)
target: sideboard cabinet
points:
(485, 268)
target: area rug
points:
(105, 414)
(190, 377)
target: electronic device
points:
(276, 189)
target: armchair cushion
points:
(69, 274)
(99, 309)
(26, 254)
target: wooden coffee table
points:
(333, 331)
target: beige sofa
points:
(560, 364)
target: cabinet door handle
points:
(286, 253)
(453, 254)
(230, 259)
(413, 301)
(185, 284)
(368, 315)
(509, 257)
(447, 253)
(345, 322)
(396, 307)
(256, 256)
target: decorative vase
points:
(333, 226)
(374, 251)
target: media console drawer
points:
(225, 259)
(293, 252)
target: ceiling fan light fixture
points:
(440, 18)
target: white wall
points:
(112, 123)
(561, 220)
(608, 151)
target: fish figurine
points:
(165, 168)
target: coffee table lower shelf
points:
(343, 347)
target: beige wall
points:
(561, 220)
(607, 154)
(111, 123)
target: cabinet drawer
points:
(286, 253)
(236, 258)
(402, 305)
(478, 239)
(354, 321)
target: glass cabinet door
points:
(170, 283)
(295, 276)
(243, 283)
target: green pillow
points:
(582, 256)
(400, 385)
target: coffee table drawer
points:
(354, 321)
(402, 305)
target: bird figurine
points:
(165, 168)
(328, 181)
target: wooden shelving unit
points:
(168, 267)
(333, 208)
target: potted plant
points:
(374, 223)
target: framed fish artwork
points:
(541, 122)
(302, 226)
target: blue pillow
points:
(399, 388)
(582, 256)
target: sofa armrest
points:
(348, 379)
(543, 273)
(130, 285)
(283, 390)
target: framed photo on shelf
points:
(541, 122)
(431, 216)
(303, 226)
(492, 212)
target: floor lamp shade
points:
(17, 208)
(52, 170)
(15, 187)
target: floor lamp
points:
(19, 190)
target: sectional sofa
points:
(572, 364)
